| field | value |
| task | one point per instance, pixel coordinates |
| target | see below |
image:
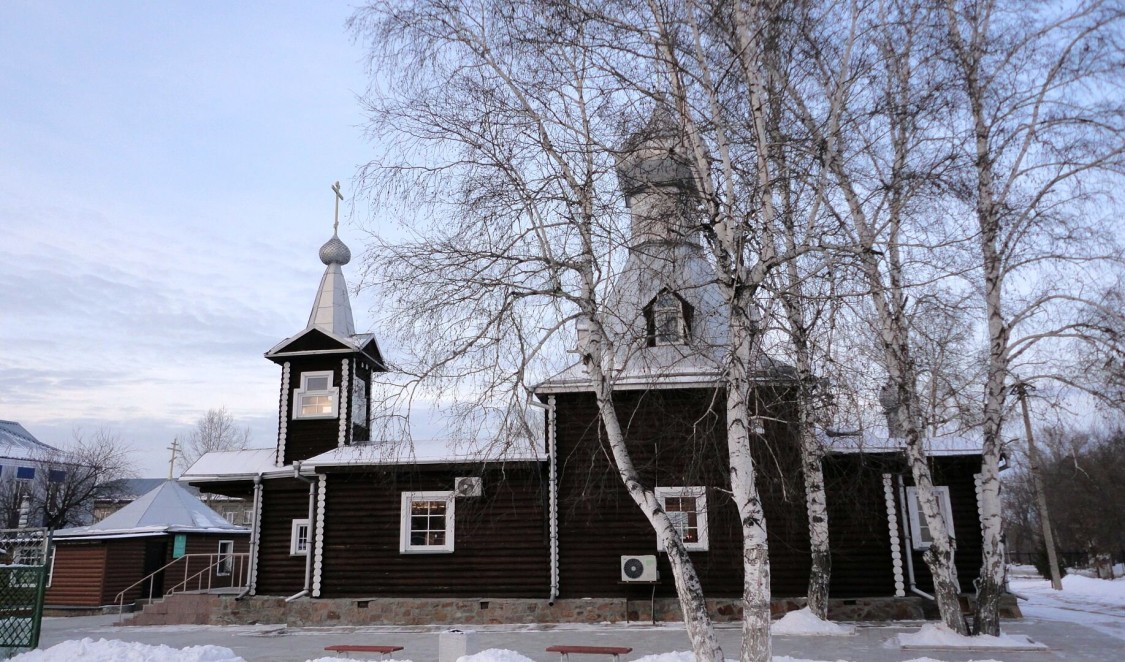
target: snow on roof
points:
(877, 441)
(431, 451)
(167, 509)
(17, 442)
(232, 465)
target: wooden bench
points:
(566, 651)
(362, 648)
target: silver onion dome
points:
(335, 251)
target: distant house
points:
(26, 475)
(117, 494)
(92, 564)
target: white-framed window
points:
(299, 538)
(668, 319)
(359, 401)
(687, 508)
(427, 523)
(316, 398)
(226, 558)
(919, 529)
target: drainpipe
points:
(553, 496)
(909, 542)
(255, 535)
(309, 545)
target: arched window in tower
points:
(668, 318)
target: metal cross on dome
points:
(339, 197)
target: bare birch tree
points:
(504, 122)
(214, 431)
(873, 137)
(1042, 126)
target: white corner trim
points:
(896, 544)
(318, 547)
(344, 401)
(283, 419)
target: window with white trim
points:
(226, 558)
(919, 529)
(427, 523)
(299, 538)
(316, 398)
(687, 508)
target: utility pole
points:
(1037, 485)
(175, 447)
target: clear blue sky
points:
(164, 188)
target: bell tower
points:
(326, 368)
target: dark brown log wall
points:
(308, 437)
(858, 533)
(76, 578)
(676, 438)
(283, 500)
(500, 538)
(124, 565)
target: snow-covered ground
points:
(1084, 602)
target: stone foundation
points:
(419, 611)
(305, 612)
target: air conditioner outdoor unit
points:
(639, 569)
(467, 486)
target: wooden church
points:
(433, 535)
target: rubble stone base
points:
(306, 612)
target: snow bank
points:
(348, 659)
(104, 650)
(804, 622)
(688, 656)
(939, 636)
(495, 655)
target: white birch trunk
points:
(756, 644)
(990, 583)
(689, 590)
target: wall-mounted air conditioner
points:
(467, 486)
(639, 569)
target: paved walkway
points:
(1067, 641)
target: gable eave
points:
(279, 349)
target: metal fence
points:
(1068, 559)
(23, 582)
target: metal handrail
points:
(214, 565)
(242, 558)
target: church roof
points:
(16, 442)
(169, 508)
(233, 465)
(331, 327)
(665, 257)
(878, 441)
(427, 451)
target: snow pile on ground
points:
(107, 650)
(939, 636)
(1093, 603)
(688, 656)
(348, 659)
(804, 622)
(495, 655)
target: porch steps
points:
(177, 609)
